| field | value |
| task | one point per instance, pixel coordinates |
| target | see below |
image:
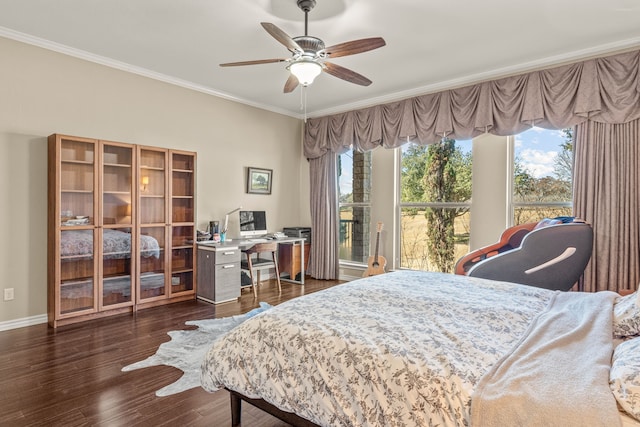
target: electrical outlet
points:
(8, 294)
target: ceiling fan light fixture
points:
(305, 71)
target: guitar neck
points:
(375, 257)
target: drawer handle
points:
(228, 266)
(228, 253)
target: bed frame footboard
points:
(287, 417)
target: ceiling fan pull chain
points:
(302, 98)
(303, 101)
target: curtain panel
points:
(607, 196)
(324, 261)
(605, 90)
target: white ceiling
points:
(431, 45)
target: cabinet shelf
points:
(77, 227)
(117, 165)
(77, 162)
(189, 246)
(76, 282)
(77, 191)
(75, 257)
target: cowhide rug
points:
(187, 349)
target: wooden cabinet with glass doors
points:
(112, 244)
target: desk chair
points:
(258, 263)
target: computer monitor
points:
(253, 223)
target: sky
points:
(538, 148)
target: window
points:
(542, 174)
(435, 204)
(354, 188)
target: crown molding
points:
(123, 66)
(600, 50)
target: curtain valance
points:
(605, 90)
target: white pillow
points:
(626, 315)
(624, 377)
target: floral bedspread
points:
(399, 349)
(116, 244)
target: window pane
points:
(435, 204)
(354, 233)
(543, 166)
(428, 243)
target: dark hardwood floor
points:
(71, 376)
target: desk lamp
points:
(226, 219)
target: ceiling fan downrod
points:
(306, 6)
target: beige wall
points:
(43, 92)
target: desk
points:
(218, 266)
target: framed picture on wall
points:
(259, 180)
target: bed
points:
(424, 349)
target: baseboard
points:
(25, 321)
(349, 278)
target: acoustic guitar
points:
(376, 263)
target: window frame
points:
(368, 205)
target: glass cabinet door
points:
(183, 226)
(77, 270)
(182, 259)
(117, 256)
(117, 184)
(117, 249)
(152, 243)
(182, 188)
(152, 262)
(153, 207)
(77, 263)
(77, 182)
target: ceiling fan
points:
(309, 54)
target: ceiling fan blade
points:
(346, 74)
(281, 36)
(291, 84)
(355, 46)
(259, 61)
